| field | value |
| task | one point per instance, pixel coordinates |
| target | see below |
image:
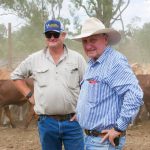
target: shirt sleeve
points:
(123, 81)
(23, 70)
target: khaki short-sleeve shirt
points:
(56, 87)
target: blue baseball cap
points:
(53, 25)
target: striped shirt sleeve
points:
(125, 84)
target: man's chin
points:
(93, 57)
(90, 55)
(52, 45)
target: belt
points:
(61, 117)
(98, 133)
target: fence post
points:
(9, 47)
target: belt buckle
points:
(95, 133)
(65, 117)
(62, 118)
(87, 132)
(90, 132)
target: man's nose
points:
(88, 46)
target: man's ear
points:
(63, 34)
(106, 38)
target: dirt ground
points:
(138, 137)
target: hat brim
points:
(113, 36)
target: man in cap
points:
(110, 95)
(57, 72)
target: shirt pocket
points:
(72, 76)
(41, 76)
(98, 91)
(93, 90)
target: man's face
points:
(54, 39)
(94, 45)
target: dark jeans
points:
(53, 132)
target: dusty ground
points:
(138, 138)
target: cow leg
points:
(148, 115)
(20, 113)
(147, 105)
(7, 111)
(0, 116)
(29, 116)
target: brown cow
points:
(9, 95)
(144, 81)
(137, 68)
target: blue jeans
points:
(94, 143)
(53, 133)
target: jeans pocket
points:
(94, 143)
(121, 143)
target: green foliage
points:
(3, 47)
(142, 37)
(3, 41)
(108, 11)
(135, 45)
(77, 46)
(28, 39)
(2, 31)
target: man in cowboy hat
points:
(110, 95)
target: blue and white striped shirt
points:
(110, 94)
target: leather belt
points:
(61, 117)
(98, 133)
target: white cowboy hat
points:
(94, 26)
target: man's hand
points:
(74, 118)
(111, 135)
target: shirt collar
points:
(48, 55)
(107, 50)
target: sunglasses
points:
(50, 34)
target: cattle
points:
(137, 68)
(9, 95)
(144, 81)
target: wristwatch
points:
(29, 95)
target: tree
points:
(3, 31)
(142, 37)
(42, 9)
(108, 11)
(35, 12)
(3, 40)
(136, 44)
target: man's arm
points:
(24, 89)
(23, 71)
(122, 80)
(126, 86)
